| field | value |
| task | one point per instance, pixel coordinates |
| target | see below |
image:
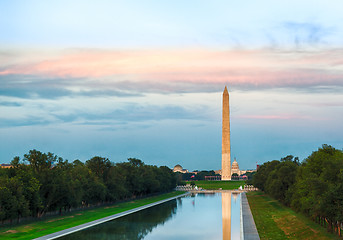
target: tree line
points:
(201, 175)
(190, 176)
(43, 182)
(313, 187)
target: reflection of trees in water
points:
(235, 195)
(179, 202)
(133, 226)
(206, 194)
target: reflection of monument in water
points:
(226, 215)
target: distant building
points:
(235, 168)
(178, 168)
(213, 178)
(5, 165)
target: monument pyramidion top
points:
(225, 91)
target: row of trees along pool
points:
(43, 182)
(314, 187)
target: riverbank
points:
(275, 221)
(59, 223)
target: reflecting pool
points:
(197, 216)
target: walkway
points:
(248, 228)
(102, 220)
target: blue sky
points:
(144, 79)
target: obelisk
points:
(226, 151)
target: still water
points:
(197, 216)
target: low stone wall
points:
(184, 188)
(250, 188)
(190, 188)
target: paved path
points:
(248, 228)
(105, 219)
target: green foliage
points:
(99, 166)
(260, 178)
(13, 204)
(44, 182)
(39, 162)
(250, 176)
(277, 178)
(281, 179)
(195, 177)
(318, 189)
(314, 187)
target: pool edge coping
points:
(105, 219)
(248, 227)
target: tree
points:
(13, 204)
(316, 182)
(134, 176)
(99, 166)
(280, 180)
(167, 179)
(116, 184)
(261, 176)
(31, 188)
(50, 183)
(95, 191)
(31, 184)
(277, 178)
(40, 161)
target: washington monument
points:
(226, 151)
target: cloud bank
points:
(123, 73)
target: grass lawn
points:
(275, 221)
(225, 185)
(58, 223)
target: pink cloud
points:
(263, 67)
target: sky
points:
(144, 79)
